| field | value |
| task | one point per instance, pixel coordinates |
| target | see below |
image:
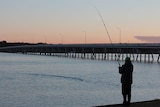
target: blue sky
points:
(48, 20)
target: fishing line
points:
(105, 28)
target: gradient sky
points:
(67, 21)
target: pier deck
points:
(137, 52)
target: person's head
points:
(127, 59)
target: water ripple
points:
(58, 76)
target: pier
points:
(143, 52)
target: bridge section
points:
(137, 52)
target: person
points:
(126, 72)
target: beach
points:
(152, 103)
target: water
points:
(47, 81)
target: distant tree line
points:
(5, 43)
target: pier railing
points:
(137, 52)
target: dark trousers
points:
(126, 92)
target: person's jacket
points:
(126, 71)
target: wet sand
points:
(153, 103)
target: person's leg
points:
(129, 98)
(124, 93)
(129, 95)
(124, 99)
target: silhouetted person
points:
(126, 79)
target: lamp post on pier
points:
(84, 37)
(119, 34)
(61, 38)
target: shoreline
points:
(151, 103)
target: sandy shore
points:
(153, 103)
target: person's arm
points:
(121, 69)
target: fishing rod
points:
(105, 28)
(104, 25)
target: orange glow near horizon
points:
(70, 35)
(70, 39)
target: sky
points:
(77, 21)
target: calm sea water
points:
(47, 81)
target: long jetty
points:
(138, 52)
